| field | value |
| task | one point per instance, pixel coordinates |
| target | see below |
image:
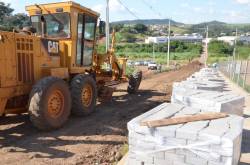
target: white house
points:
(184, 38)
(227, 39)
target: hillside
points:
(149, 22)
(216, 28)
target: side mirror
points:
(102, 28)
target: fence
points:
(238, 71)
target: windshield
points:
(56, 25)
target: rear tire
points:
(49, 104)
(134, 82)
(84, 95)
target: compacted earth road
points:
(95, 139)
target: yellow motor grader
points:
(52, 68)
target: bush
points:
(220, 48)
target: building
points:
(228, 39)
(156, 40)
(183, 38)
(244, 39)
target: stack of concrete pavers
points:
(213, 142)
(205, 75)
(211, 78)
(199, 85)
(205, 79)
(207, 95)
(225, 102)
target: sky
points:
(185, 11)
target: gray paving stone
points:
(191, 130)
(196, 161)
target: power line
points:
(152, 8)
(169, 25)
(131, 12)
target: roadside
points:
(89, 140)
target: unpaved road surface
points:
(95, 139)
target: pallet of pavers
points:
(195, 77)
(225, 102)
(206, 76)
(208, 71)
(212, 142)
(203, 85)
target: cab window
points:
(85, 42)
(56, 25)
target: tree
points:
(16, 21)
(8, 21)
(220, 48)
(117, 27)
(5, 11)
(128, 37)
(141, 28)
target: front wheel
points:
(49, 104)
(84, 95)
(134, 82)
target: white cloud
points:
(197, 9)
(99, 8)
(185, 5)
(243, 1)
(234, 16)
(114, 6)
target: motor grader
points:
(52, 69)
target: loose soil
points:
(95, 139)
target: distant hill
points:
(211, 23)
(149, 22)
(216, 28)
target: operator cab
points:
(55, 25)
(68, 22)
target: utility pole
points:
(154, 50)
(169, 30)
(235, 42)
(206, 56)
(234, 53)
(107, 26)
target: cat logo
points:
(53, 47)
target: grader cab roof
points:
(59, 7)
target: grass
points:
(124, 149)
(160, 58)
(212, 60)
(240, 82)
(243, 52)
(179, 30)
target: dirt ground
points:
(95, 139)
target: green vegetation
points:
(217, 29)
(243, 51)
(220, 51)
(8, 21)
(240, 82)
(179, 51)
